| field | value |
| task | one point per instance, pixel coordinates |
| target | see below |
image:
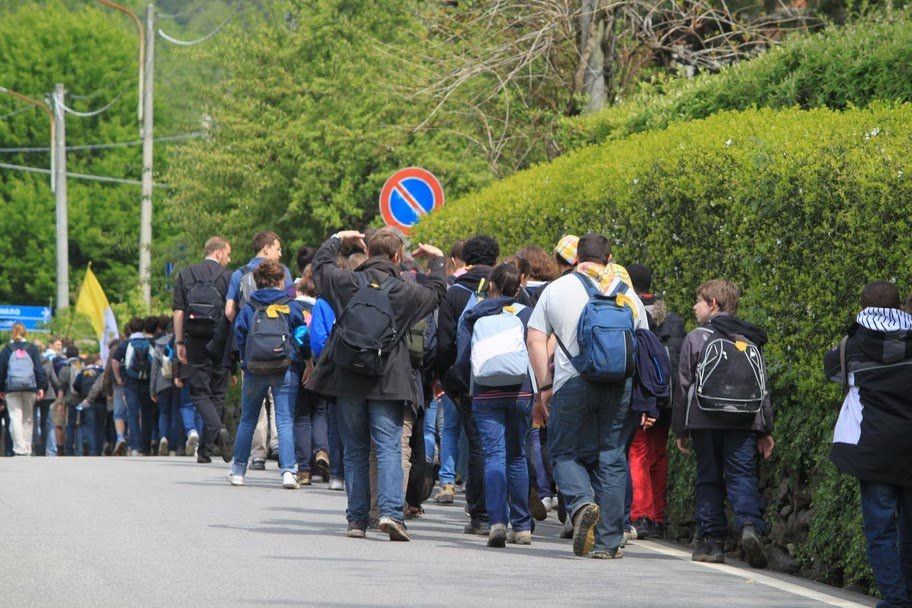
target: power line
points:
(121, 144)
(105, 108)
(97, 92)
(16, 112)
(94, 178)
(207, 36)
(186, 13)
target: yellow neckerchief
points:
(273, 310)
(604, 277)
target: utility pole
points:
(145, 215)
(60, 181)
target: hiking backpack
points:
(138, 358)
(365, 332)
(731, 375)
(83, 381)
(269, 341)
(20, 371)
(607, 346)
(205, 306)
(499, 356)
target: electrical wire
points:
(94, 178)
(17, 112)
(162, 34)
(117, 98)
(121, 144)
(97, 92)
(186, 13)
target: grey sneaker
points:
(163, 447)
(584, 523)
(523, 537)
(258, 465)
(497, 537)
(224, 443)
(193, 440)
(477, 526)
(336, 484)
(356, 529)
(567, 530)
(395, 529)
(615, 553)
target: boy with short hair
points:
(726, 443)
(872, 436)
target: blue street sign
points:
(35, 318)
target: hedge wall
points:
(837, 68)
(800, 209)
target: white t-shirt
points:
(557, 312)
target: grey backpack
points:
(20, 374)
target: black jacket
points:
(687, 415)
(410, 302)
(873, 436)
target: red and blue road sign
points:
(407, 195)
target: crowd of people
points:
(538, 381)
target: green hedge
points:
(837, 68)
(799, 208)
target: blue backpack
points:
(605, 335)
(138, 358)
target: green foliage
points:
(838, 68)
(799, 208)
(308, 123)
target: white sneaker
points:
(235, 480)
(336, 484)
(193, 440)
(290, 481)
(549, 503)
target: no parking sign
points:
(407, 195)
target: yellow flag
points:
(93, 303)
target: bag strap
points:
(590, 288)
(843, 364)
(388, 285)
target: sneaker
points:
(356, 529)
(336, 484)
(644, 528)
(120, 448)
(193, 440)
(163, 447)
(446, 495)
(203, 458)
(584, 528)
(224, 443)
(631, 533)
(497, 537)
(273, 453)
(258, 465)
(395, 529)
(615, 553)
(321, 460)
(752, 546)
(709, 551)
(304, 478)
(567, 530)
(135, 453)
(523, 537)
(550, 503)
(536, 507)
(235, 480)
(477, 526)
(289, 481)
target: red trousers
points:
(649, 471)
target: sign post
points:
(408, 195)
(34, 318)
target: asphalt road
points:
(169, 532)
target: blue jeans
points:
(726, 463)
(336, 451)
(360, 421)
(588, 433)
(169, 416)
(190, 418)
(120, 403)
(541, 463)
(310, 428)
(430, 430)
(449, 440)
(284, 390)
(502, 426)
(887, 514)
(139, 414)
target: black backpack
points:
(731, 375)
(85, 379)
(205, 306)
(269, 343)
(365, 332)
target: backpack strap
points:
(388, 285)
(843, 364)
(590, 288)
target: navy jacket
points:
(41, 379)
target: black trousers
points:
(208, 381)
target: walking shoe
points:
(135, 453)
(561, 508)
(413, 512)
(273, 453)
(258, 465)
(203, 458)
(120, 448)
(477, 526)
(584, 528)
(321, 460)
(752, 545)
(497, 537)
(304, 478)
(395, 529)
(710, 551)
(523, 537)
(235, 480)
(336, 484)
(446, 495)
(193, 440)
(567, 530)
(163, 447)
(356, 529)
(615, 553)
(550, 503)
(224, 443)
(289, 481)
(630, 533)
(536, 508)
